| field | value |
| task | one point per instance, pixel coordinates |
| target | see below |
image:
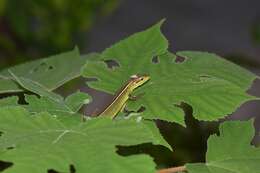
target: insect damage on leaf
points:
(213, 86)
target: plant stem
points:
(173, 170)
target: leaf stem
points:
(173, 170)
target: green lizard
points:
(123, 94)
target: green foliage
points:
(82, 145)
(9, 102)
(50, 72)
(213, 86)
(230, 152)
(48, 26)
(45, 104)
(41, 130)
(66, 110)
(2, 6)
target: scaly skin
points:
(123, 95)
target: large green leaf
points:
(41, 142)
(230, 152)
(213, 86)
(50, 72)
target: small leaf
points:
(230, 152)
(76, 100)
(35, 87)
(70, 105)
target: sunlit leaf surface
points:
(41, 142)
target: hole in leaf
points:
(204, 76)
(50, 67)
(21, 98)
(72, 169)
(52, 171)
(10, 148)
(43, 64)
(5, 165)
(155, 60)
(179, 59)
(112, 64)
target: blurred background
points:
(31, 29)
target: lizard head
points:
(139, 80)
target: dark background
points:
(229, 28)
